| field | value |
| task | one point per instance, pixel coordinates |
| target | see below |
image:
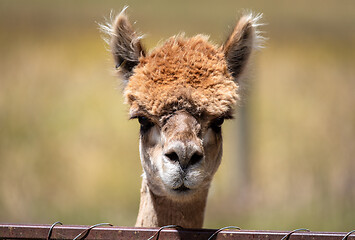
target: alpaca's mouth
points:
(182, 188)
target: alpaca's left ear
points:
(241, 43)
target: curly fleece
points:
(183, 73)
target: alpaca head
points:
(181, 92)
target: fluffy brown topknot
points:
(184, 73)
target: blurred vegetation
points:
(69, 153)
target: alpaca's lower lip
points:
(182, 188)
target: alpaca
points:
(181, 93)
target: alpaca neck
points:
(157, 211)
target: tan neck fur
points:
(157, 211)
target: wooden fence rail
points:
(16, 231)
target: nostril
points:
(172, 156)
(195, 158)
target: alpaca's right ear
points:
(124, 44)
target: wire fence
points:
(171, 232)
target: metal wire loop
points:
(51, 229)
(221, 229)
(297, 230)
(164, 227)
(85, 233)
(348, 234)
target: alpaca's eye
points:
(145, 122)
(217, 123)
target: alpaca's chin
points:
(182, 195)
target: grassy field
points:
(68, 152)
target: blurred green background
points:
(68, 152)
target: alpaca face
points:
(180, 153)
(181, 92)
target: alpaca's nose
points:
(187, 154)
